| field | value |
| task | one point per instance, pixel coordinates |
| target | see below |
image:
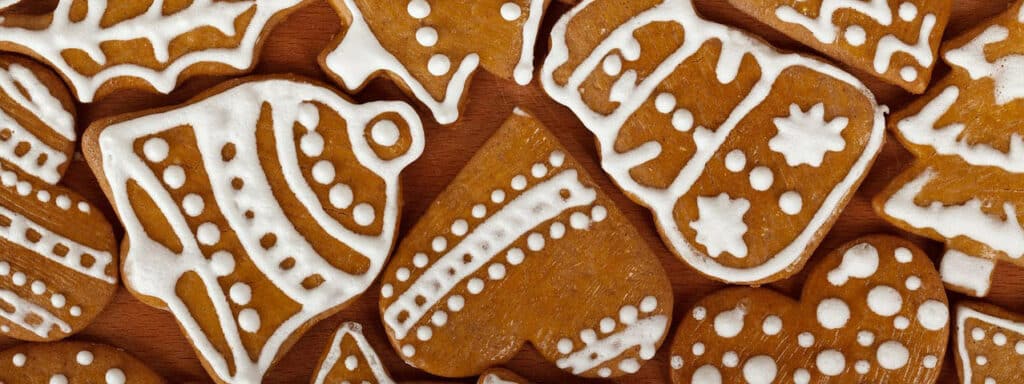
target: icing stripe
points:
(823, 27)
(962, 314)
(29, 161)
(524, 70)
(533, 207)
(643, 333)
(24, 309)
(37, 99)
(966, 271)
(355, 331)
(48, 240)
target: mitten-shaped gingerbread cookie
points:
(745, 175)
(989, 344)
(351, 359)
(100, 46)
(431, 48)
(896, 40)
(57, 263)
(73, 362)
(255, 210)
(965, 187)
(873, 311)
(524, 247)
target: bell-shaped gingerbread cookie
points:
(255, 210)
(964, 188)
(58, 267)
(524, 247)
(351, 359)
(73, 362)
(744, 155)
(873, 311)
(896, 40)
(432, 48)
(101, 46)
(989, 344)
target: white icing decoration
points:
(760, 369)
(426, 36)
(114, 376)
(885, 300)
(1005, 72)
(823, 27)
(772, 325)
(729, 323)
(707, 374)
(969, 272)
(833, 313)
(84, 358)
(511, 11)
(805, 339)
(933, 315)
(720, 226)
(37, 99)
(892, 355)
(29, 161)
(855, 35)
(333, 355)
(42, 321)
(830, 362)
(908, 11)
(439, 65)
(48, 240)
(860, 261)
(865, 338)
(761, 178)
(805, 137)
(791, 203)
(644, 333)
(730, 359)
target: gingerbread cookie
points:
(896, 40)
(965, 186)
(743, 177)
(57, 263)
(431, 48)
(73, 362)
(351, 359)
(255, 210)
(873, 311)
(106, 45)
(989, 344)
(524, 247)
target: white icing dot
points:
(855, 35)
(699, 313)
(456, 303)
(222, 263)
(885, 300)
(977, 334)
(612, 65)
(833, 313)
(579, 220)
(19, 360)
(999, 339)
(682, 120)
(156, 150)
(588, 336)
(312, 144)
(831, 362)
(38, 287)
(364, 214)
(475, 285)
(604, 372)
(628, 314)
(424, 333)
(439, 318)
(418, 8)
(479, 211)
(908, 11)
(58, 379)
(698, 349)
(387, 290)
(648, 304)
(862, 366)
(903, 255)
(402, 274)
(730, 359)
(791, 203)
(933, 315)
(351, 362)
(908, 73)
(1019, 348)
(24, 188)
(249, 320)
(535, 242)
(439, 65)
(677, 362)
(761, 178)
(309, 115)
(801, 376)
(511, 11)
(913, 283)
(241, 293)
(557, 231)
(19, 279)
(323, 172)
(729, 323)
(64, 202)
(519, 182)
(385, 132)
(901, 322)
(58, 300)
(497, 196)
(193, 205)
(83, 207)
(515, 256)
(459, 227)
(84, 358)
(565, 346)
(930, 361)
(598, 213)
(772, 325)
(989, 380)
(496, 271)
(75, 311)
(665, 102)
(340, 196)
(707, 374)
(208, 234)
(5, 268)
(426, 36)
(805, 339)
(865, 338)
(760, 370)
(981, 360)
(115, 376)
(607, 325)
(735, 161)
(174, 177)
(538, 170)
(408, 350)
(43, 196)
(420, 260)
(556, 159)
(860, 261)
(892, 355)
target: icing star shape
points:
(805, 137)
(721, 227)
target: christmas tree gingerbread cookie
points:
(743, 177)
(58, 263)
(524, 247)
(964, 188)
(896, 40)
(432, 48)
(100, 46)
(73, 362)
(255, 210)
(873, 311)
(989, 344)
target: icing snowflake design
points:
(804, 136)
(721, 227)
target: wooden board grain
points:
(292, 47)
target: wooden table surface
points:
(153, 336)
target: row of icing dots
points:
(83, 358)
(38, 288)
(9, 179)
(637, 326)
(30, 154)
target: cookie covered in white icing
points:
(872, 311)
(524, 247)
(255, 210)
(745, 175)
(73, 362)
(432, 48)
(964, 188)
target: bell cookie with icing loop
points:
(964, 188)
(895, 40)
(989, 344)
(58, 263)
(350, 358)
(432, 48)
(873, 311)
(255, 210)
(523, 247)
(100, 46)
(73, 362)
(744, 176)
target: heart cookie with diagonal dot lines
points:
(524, 247)
(73, 362)
(873, 311)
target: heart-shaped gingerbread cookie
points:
(872, 311)
(73, 362)
(989, 344)
(524, 247)
(744, 155)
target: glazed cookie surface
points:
(255, 210)
(989, 344)
(872, 311)
(523, 247)
(745, 176)
(58, 263)
(896, 40)
(105, 45)
(432, 48)
(967, 127)
(73, 362)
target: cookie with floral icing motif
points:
(106, 45)
(872, 311)
(964, 188)
(895, 40)
(524, 247)
(73, 362)
(58, 263)
(255, 210)
(744, 177)
(350, 358)
(432, 48)
(989, 344)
